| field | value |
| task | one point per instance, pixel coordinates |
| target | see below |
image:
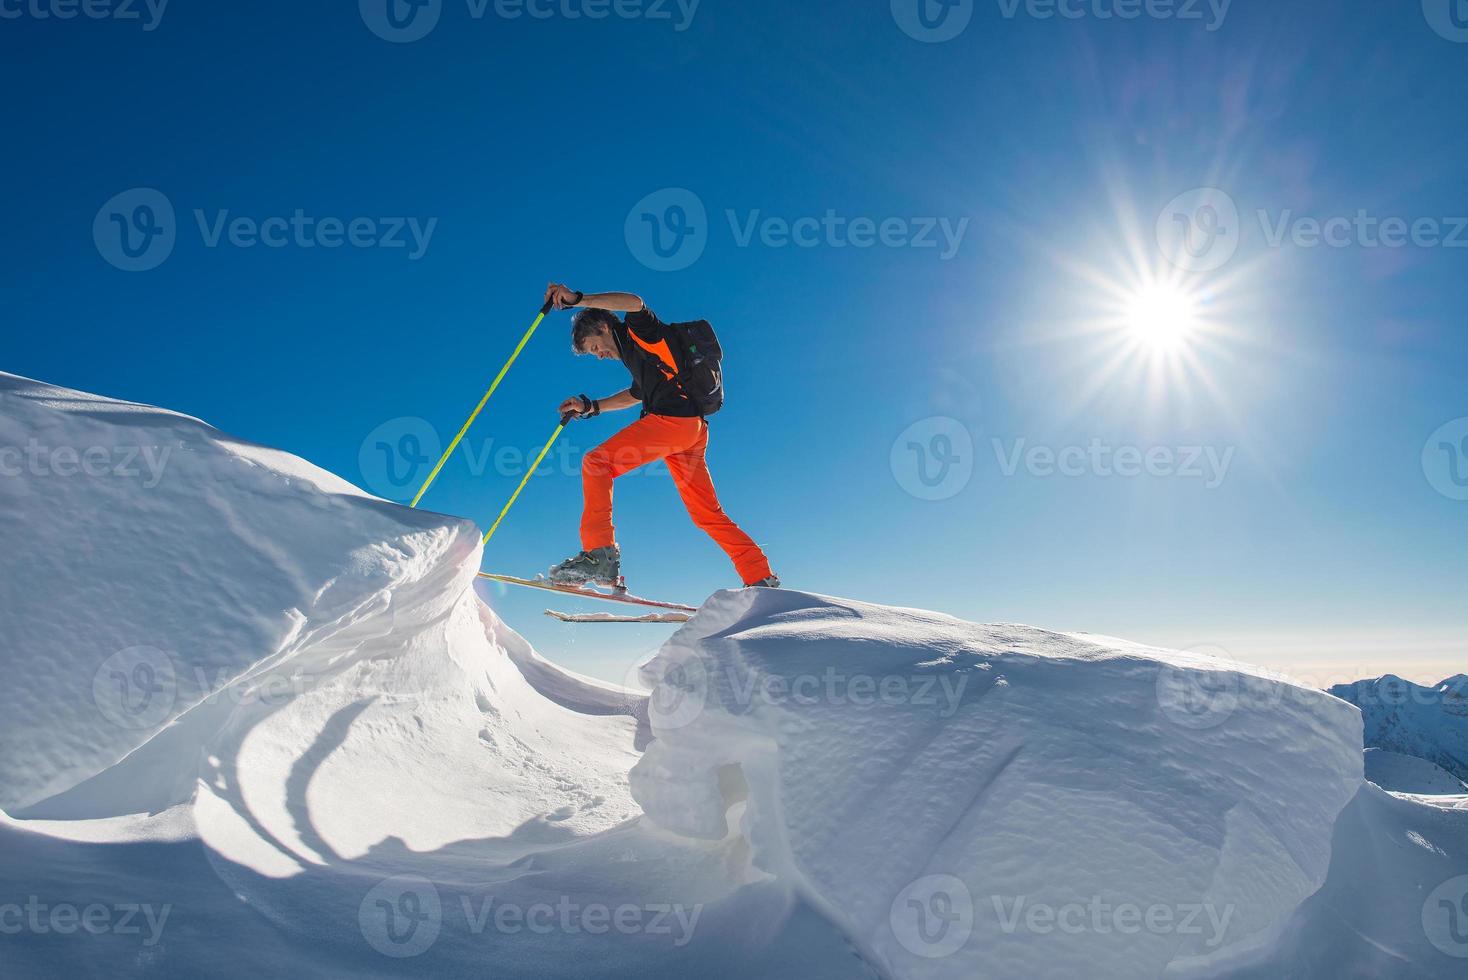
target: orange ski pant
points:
(683, 443)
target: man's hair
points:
(587, 322)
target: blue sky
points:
(933, 263)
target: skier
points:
(672, 427)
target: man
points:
(669, 428)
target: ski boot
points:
(773, 582)
(600, 566)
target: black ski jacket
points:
(642, 342)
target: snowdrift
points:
(1408, 774)
(969, 801)
(193, 614)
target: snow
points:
(1407, 774)
(264, 718)
(1426, 722)
(899, 767)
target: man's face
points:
(601, 346)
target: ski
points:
(587, 593)
(675, 617)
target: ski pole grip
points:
(566, 419)
(547, 307)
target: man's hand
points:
(561, 297)
(574, 406)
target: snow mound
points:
(1392, 905)
(1408, 774)
(202, 620)
(1426, 722)
(997, 801)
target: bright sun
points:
(1161, 318)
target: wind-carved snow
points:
(970, 801)
(236, 682)
(235, 624)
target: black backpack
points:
(700, 362)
